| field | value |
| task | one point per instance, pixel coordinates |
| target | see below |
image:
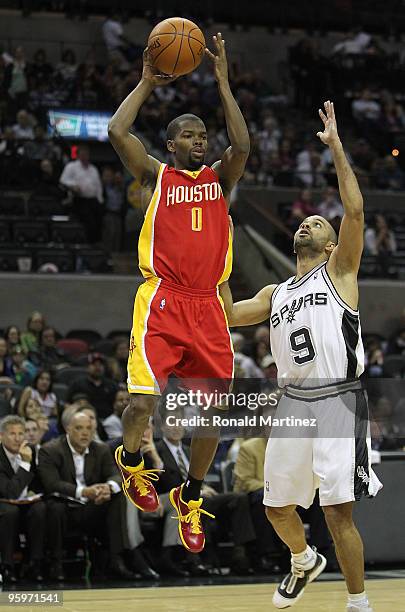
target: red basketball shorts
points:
(178, 331)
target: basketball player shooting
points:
(179, 324)
(315, 335)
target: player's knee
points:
(276, 515)
(338, 518)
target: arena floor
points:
(321, 597)
(385, 594)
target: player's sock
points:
(131, 459)
(359, 600)
(191, 489)
(304, 560)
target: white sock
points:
(360, 600)
(305, 559)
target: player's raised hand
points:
(151, 74)
(219, 59)
(330, 134)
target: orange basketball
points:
(176, 46)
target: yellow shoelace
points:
(142, 480)
(193, 517)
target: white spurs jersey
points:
(314, 334)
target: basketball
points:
(176, 46)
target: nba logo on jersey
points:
(267, 486)
(162, 304)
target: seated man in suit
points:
(17, 478)
(230, 509)
(78, 467)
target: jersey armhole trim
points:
(157, 186)
(273, 295)
(336, 295)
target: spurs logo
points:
(362, 474)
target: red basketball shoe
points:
(136, 484)
(189, 515)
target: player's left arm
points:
(345, 258)
(232, 165)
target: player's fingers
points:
(216, 42)
(322, 116)
(333, 111)
(210, 55)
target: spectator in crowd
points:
(41, 392)
(33, 435)
(50, 356)
(17, 76)
(261, 335)
(5, 360)
(379, 240)
(389, 175)
(114, 208)
(397, 343)
(12, 336)
(249, 478)
(99, 390)
(40, 70)
(374, 358)
(330, 205)
(308, 168)
(83, 179)
(22, 370)
(363, 155)
(47, 182)
(24, 128)
(353, 43)
(244, 365)
(86, 408)
(75, 466)
(113, 424)
(30, 338)
(29, 408)
(302, 208)
(384, 431)
(366, 110)
(40, 147)
(17, 474)
(229, 509)
(392, 123)
(65, 72)
(117, 364)
(117, 44)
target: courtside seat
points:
(68, 232)
(62, 258)
(12, 205)
(90, 336)
(9, 258)
(73, 346)
(30, 230)
(68, 375)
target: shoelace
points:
(142, 480)
(193, 517)
(297, 572)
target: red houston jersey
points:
(185, 237)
